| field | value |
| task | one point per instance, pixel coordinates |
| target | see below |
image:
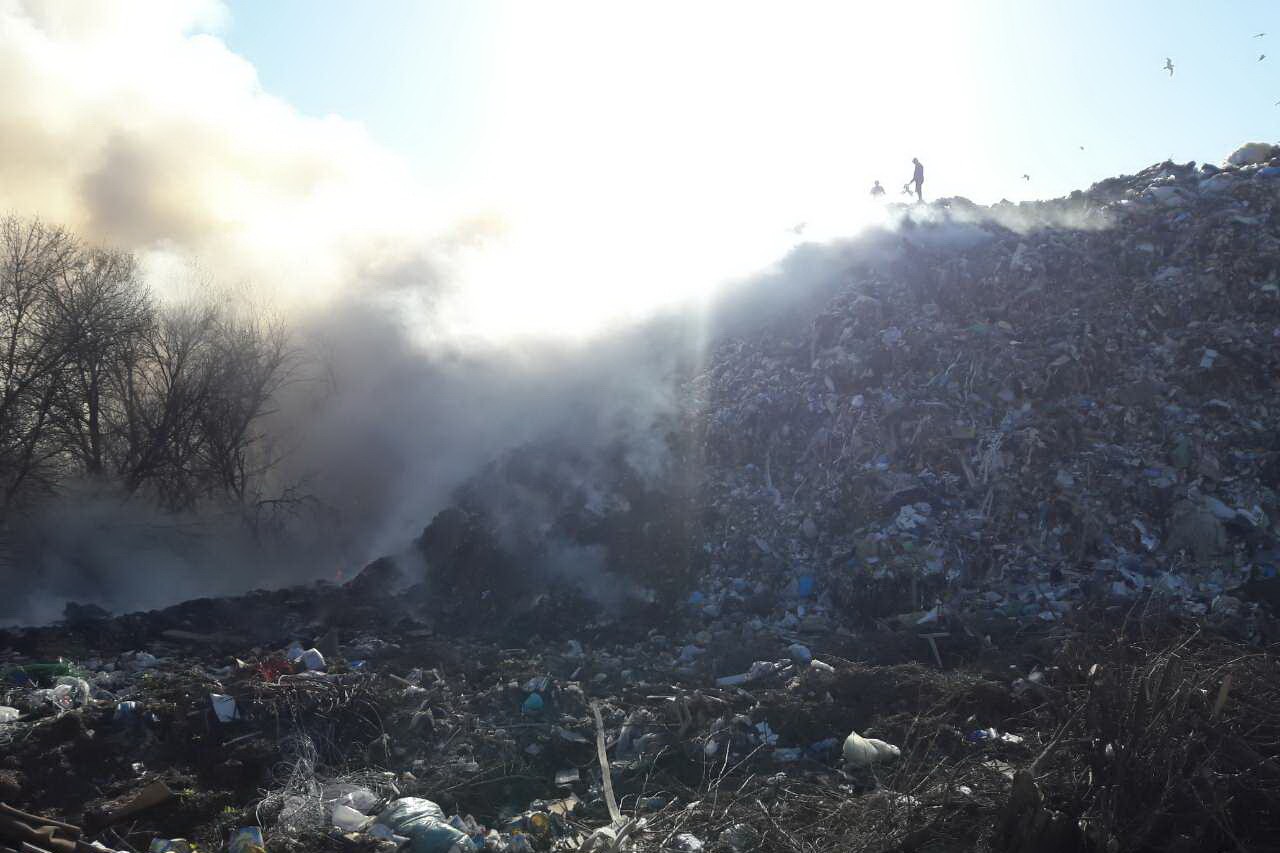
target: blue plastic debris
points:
(246, 840)
(824, 748)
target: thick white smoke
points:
(133, 124)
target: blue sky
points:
(1039, 79)
(415, 73)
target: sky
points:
(555, 167)
(983, 91)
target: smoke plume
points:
(135, 126)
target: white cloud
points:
(135, 125)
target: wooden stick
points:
(1222, 696)
(933, 644)
(606, 776)
(27, 817)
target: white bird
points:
(1168, 65)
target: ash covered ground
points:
(971, 547)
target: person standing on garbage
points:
(877, 190)
(917, 178)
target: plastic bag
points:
(425, 825)
(69, 692)
(348, 819)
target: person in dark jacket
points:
(917, 178)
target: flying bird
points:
(799, 229)
(1026, 177)
(1081, 147)
(1168, 65)
(1262, 57)
(1259, 35)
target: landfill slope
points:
(972, 548)
(1002, 412)
(1045, 417)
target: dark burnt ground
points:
(1120, 729)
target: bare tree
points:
(100, 381)
(161, 388)
(106, 314)
(35, 260)
(191, 399)
(254, 360)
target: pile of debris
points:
(1038, 420)
(980, 556)
(322, 719)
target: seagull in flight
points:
(1026, 177)
(1259, 35)
(1262, 57)
(1168, 65)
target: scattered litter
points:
(246, 840)
(224, 707)
(740, 838)
(425, 825)
(800, 654)
(312, 660)
(863, 752)
(686, 842)
(348, 819)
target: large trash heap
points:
(981, 554)
(1044, 417)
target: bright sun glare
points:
(665, 154)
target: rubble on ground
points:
(201, 736)
(982, 555)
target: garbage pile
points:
(371, 730)
(321, 719)
(982, 555)
(1038, 420)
